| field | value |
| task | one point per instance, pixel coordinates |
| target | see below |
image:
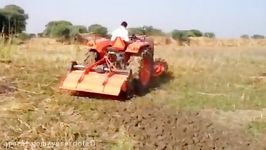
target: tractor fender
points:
(101, 47)
(136, 47)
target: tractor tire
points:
(129, 93)
(162, 64)
(142, 69)
(91, 57)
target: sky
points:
(226, 18)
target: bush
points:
(209, 35)
(64, 31)
(146, 30)
(185, 34)
(195, 33)
(178, 35)
(258, 36)
(32, 35)
(181, 36)
(98, 29)
(136, 31)
(58, 29)
(40, 34)
(24, 36)
(245, 36)
(76, 30)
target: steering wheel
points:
(133, 37)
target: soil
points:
(5, 89)
(154, 127)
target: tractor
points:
(116, 68)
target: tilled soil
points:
(153, 127)
(146, 125)
(5, 89)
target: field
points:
(212, 98)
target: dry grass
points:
(211, 43)
(7, 51)
(216, 78)
(207, 42)
(221, 78)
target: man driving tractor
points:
(121, 32)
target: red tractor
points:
(116, 68)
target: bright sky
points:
(226, 18)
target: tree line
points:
(65, 30)
(13, 23)
(255, 36)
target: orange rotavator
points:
(116, 68)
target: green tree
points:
(258, 36)
(3, 21)
(77, 29)
(244, 36)
(12, 20)
(146, 30)
(97, 29)
(180, 35)
(24, 36)
(209, 35)
(136, 31)
(14, 8)
(150, 30)
(194, 33)
(185, 34)
(58, 29)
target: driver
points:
(121, 32)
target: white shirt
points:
(120, 32)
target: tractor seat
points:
(118, 45)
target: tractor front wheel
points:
(142, 69)
(91, 57)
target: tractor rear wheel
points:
(142, 69)
(91, 57)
